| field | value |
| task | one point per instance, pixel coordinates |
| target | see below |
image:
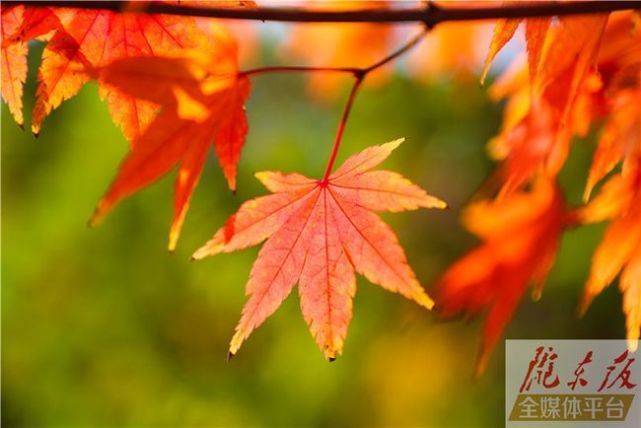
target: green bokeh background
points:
(104, 327)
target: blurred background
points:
(104, 327)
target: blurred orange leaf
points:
(535, 32)
(543, 115)
(620, 249)
(203, 99)
(520, 235)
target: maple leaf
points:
(620, 249)
(542, 116)
(575, 42)
(621, 135)
(571, 56)
(94, 38)
(318, 233)
(617, 97)
(14, 63)
(203, 97)
(19, 25)
(520, 236)
(535, 32)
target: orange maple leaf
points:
(203, 97)
(520, 236)
(617, 97)
(19, 25)
(318, 233)
(93, 38)
(542, 117)
(620, 249)
(535, 32)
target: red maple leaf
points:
(94, 38)
(19, 25)
(318, 233)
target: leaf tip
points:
(424, 300)
(393, 145)
(236, 342)
(588, 191)
(583, 305)
(35, 129)
(482, 360)
(174, 233)
(438, 203)
(206, 250)
(231, 183)
(486, 68)
(95, 218)
(481, 365)
(261, 176)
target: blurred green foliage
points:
(104, 327)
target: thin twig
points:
(431, 15)
(296, 68)
(351, 70)
(409, 45)
(360, 74)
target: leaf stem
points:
(360, 74)
(341, 126)
(391, 57)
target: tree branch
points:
(430, 15)
(297, 69)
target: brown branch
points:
(297, 69)
(391, 57)
(429, 15)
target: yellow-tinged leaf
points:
(630, 285)
(14, 63)
(619, 252)
(503, 33)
